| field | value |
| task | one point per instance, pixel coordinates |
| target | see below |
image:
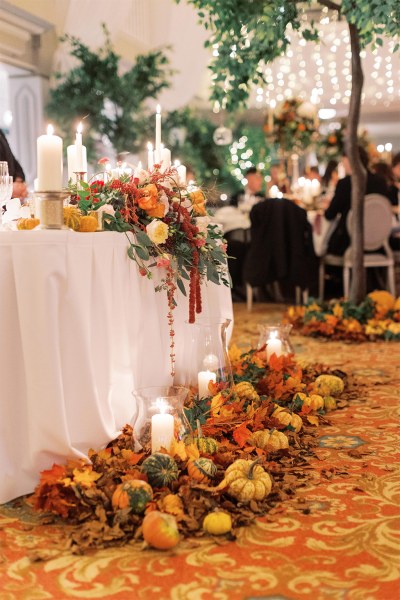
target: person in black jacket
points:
(245, 199)
(341, 203)
(14, 168)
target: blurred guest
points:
(386, 172)
(277, 178)
(341, 203)
(328, 182)
(247, 198)
(395, 190)
(14, 168)
(313, 173)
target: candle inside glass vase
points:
(274, 345)
(162, 426)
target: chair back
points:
(377, 221)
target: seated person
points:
(277, 178)
(385, 171)
(394, 188)
(328, 182)
(341, 203)
(14, 168)
(313, 173)
(247, 198)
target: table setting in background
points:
(101, 284)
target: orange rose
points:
(332, 139)
(148, 199)
(301, 127)
(157, 211)
(198, 202)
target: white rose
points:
(157, 231)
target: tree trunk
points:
(358, 175)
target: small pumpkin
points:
(161, 469)
(383, 300)
(329, 385)
(72, 217)
(206, 445)
(160, 530)
(269, 440)
(396, 306)
(28, 223)
(202, 469)
(314, 402)
(88, 224)
(329, 403)
(217, 523)
(246, 480)
(134, 494)
(246, 391)
(290, 420)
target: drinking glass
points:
(3, 167)
(6, 188)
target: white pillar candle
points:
(204, 378)
(181, 174)
(165, 159)
(158, 129)
(138, 169)
(150, 156)
(162, 427)
(49, 162)
(274, 346)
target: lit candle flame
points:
(50, 129)
(149, 146)
(273, 335)
(158, 109)
(161, 406)
(79, 128)
(177, 163)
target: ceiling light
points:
(326, 113)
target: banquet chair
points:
(377, 227)
(281, 249)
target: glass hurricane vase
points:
(275, 338)
(158, 417)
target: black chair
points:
(281, 248)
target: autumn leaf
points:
(313, 420)
(131, 456)
(241, 434)
(53, 475)
(85, 478)
(192, 451)
(178, 448)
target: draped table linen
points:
(79, 330)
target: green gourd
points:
(161, 469)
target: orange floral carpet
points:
(337, 539)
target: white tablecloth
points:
(79, 330)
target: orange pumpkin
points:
(160, 530)
(88, 224)
(134, 494)
(28, 223)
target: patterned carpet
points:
(338, 539)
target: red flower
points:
(103, 161)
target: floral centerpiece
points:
(331, 145)
(293, 125)
(167, 227)
(378, 317)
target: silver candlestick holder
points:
(51, 205)
(80, 176)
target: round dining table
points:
(80, 329)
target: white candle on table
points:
(204, 378)
(158, 130)
(162, 427)
(138, 168)
(165, 159)
(150, 156)
(181, 174)
(274, 346)
(49, 162)
(80, 158)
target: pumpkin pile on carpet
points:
(246, 452)
(377, 317)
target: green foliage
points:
(111, 102)
(250, 34)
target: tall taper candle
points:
(158, 131)
(49, 162)
(150, 156)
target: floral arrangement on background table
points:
(293, 125)
(331, 145)
(378, 317)
(252, 445)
